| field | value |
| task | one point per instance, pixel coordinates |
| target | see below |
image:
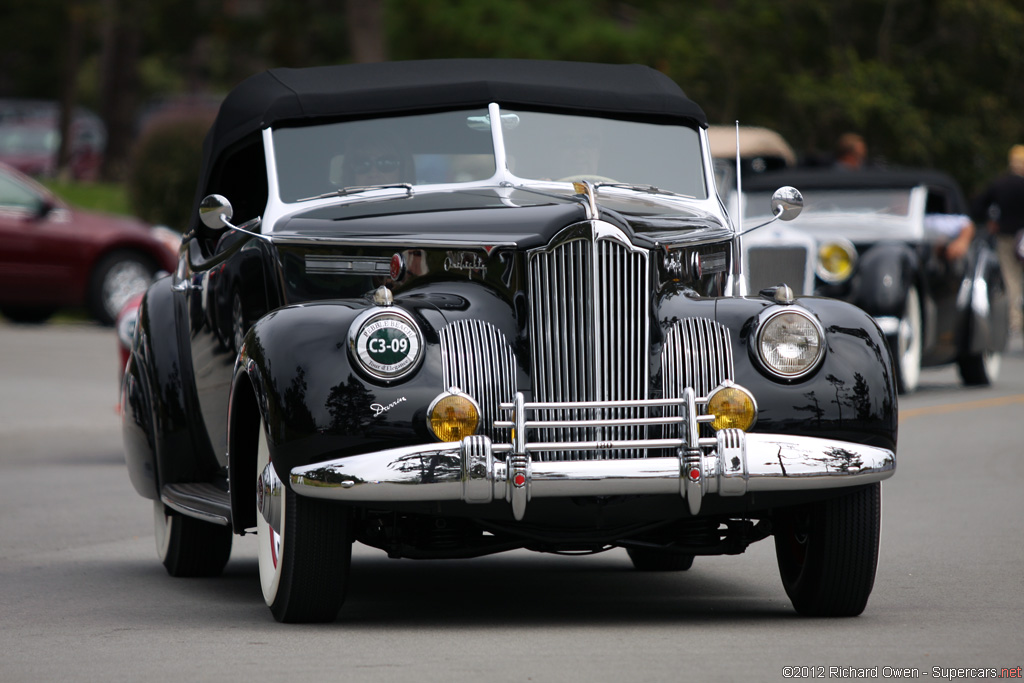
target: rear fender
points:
(986, 305)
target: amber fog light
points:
(733, 408)
(453, 416)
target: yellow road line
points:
(961, 407)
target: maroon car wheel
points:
(116, 279)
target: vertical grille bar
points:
(589, 337)
(697, 354)
(477, 359)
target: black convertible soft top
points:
(278, 95)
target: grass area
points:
(109, 197)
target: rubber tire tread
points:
(842, 555)
(197, 548)
(317, 556)
(650, 560)
(973, 372)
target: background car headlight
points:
(453, 416)
(790, 343)
(836, 259)
(386, 343)
(733, 408)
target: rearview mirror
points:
(787, 203)
(215, 212)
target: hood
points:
(527, 218)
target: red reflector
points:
(397, 266)
(519, 480)
(694, 474)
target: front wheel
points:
(908, 346)
(827, 552)
(305, 549)
(190, 547)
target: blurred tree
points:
(119, 84)
(366, 30)
(934, 82)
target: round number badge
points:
(388, 346)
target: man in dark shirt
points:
(1002, 204)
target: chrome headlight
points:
(386, 343)
(790, 343)
(836, 260)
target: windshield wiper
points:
(648, 189)
(357, 189)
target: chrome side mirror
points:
(787, 203)
(215, 212)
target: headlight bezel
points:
(361, 335)
(774, 316)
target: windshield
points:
(888, 202)
(457, 147)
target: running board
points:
(200, 500)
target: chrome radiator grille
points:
(477, 359)
(769, 266)
(589, 338)
(697, 354)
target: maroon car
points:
(53, 255)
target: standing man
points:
(1002, 204)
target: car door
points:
(226, 293)
(33, 240)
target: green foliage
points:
(106, 197)
(933, 82)
(165, 170)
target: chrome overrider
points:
(477, 470)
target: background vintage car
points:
(875, 251)
(512, 323)
(53, 255)
(777, 253)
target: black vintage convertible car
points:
(882, 245)
(454, 308)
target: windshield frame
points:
(502, 177)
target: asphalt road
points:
(83, 597)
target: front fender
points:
(884, 272)
(850, 397)
(313, 398)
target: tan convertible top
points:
(754, 142)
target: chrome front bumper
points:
(476, 470)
